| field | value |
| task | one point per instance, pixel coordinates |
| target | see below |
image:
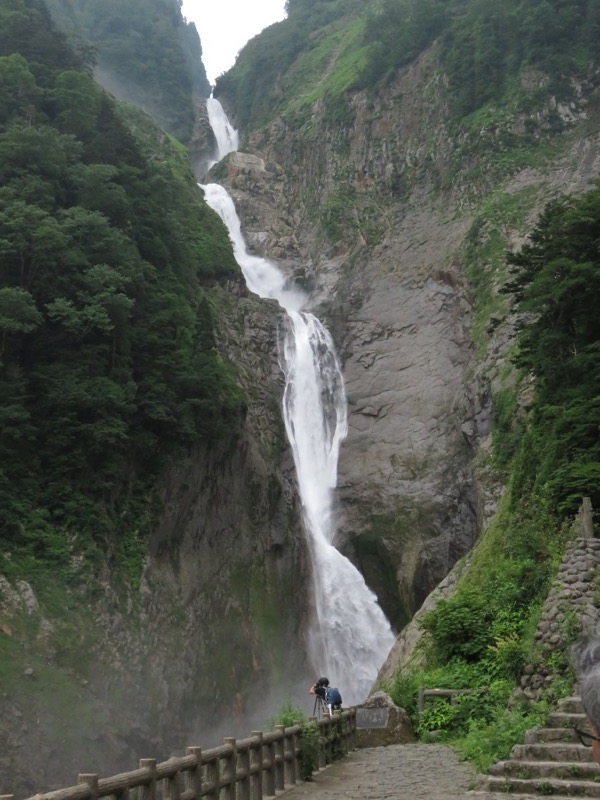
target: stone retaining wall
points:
(570, 609)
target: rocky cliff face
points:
(373, 206)
(392, 289)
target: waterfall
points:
(350, 636)
(225, 134)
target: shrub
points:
(486, 741)
(288, 715)
(459, 627)
(309, 750)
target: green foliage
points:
(437, 716)
(316, 51)
(403, 689)
(335, 734)
(488, 740)
(485, 621)
(397, 31)
(251, 83)
(555, 286)
(545, 788)
(108, 367)
(485, 251)
(570, 626)
(597, 589)
(460, 627)
(480, 638)
(507, 426)
(288, 715)
(484, 45)
(309, 750)
(338, 213)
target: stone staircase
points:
(551, 762)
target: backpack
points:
(333, 696)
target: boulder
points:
(381, 722)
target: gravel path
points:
(397, 772)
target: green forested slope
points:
(557, 289)
(288, 58)
(107, 361)
(485, 45)
(146, 53)
(343, 45)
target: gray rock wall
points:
(395, 298)
(372, 217)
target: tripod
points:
(321, 709)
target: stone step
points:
(565, 770)
(563, 719)
(541, 735)
(552, 751)
(536, 786)
(479, 795)
(571, 705)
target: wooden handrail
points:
(252, 768)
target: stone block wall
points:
(570, 609)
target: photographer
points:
(330, 696)
(320, 688)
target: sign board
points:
(372, 717)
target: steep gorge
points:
(386, 209)
(395, 218)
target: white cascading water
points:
(225, 134)
(350, 636)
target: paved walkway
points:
(397, 772)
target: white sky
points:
(225, 26)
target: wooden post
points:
(351, 732)
(91, 780)
(321, 757)
(172, 787)
(289, 759)
(280, 758)
(213, 777)
(149, 789)
(343, 734)
(585, 518)
(244, 766)
(193, 778)
(269, 768)
(297, 751)
(329, 736)
(230, 786)
(259, 760)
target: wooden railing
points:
(245, 769)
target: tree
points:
(18, 89)
(18, 314)
(557, 285)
